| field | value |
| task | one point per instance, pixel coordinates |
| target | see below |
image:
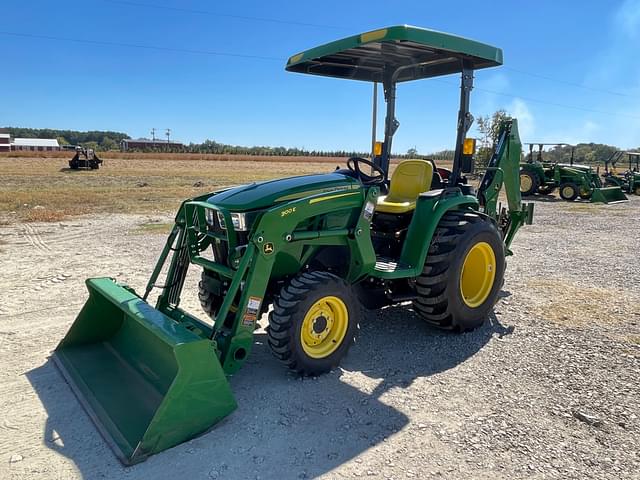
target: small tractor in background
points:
(538, 176)
(310, 250)
(629, 181)
(85, 159)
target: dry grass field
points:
(44, 189)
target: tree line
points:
(98, 140)
(487, 127)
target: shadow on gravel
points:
(544, 198)
(285, 426)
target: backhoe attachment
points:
(503, 170)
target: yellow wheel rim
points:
(478, 274)
(567, 192)
(525, 183)
(324, 327)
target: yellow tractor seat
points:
(409, 179)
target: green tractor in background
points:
(540, 177)
(629, 181)
(310, 250)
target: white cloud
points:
(584, 132)
(526, 123)
(614, 68)
(485, 101)
(628, 18)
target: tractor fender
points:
(430, 209)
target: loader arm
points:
(503, 170)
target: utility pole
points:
(168, 134)
(153, 134)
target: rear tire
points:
(569, 191)
(463, 272)
(528, 183)
(313, 323)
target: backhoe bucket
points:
(608, 195)
(146, 381)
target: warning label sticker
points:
(368, 210)
(251, 314)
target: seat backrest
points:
(410, 179)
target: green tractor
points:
(538, 176)
(310, 250)
(628, 181)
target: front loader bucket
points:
(608, 195)
(146, 381)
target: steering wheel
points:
(353, 164)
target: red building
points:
(5, 142)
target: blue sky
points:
(47, 82)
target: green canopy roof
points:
(364, 56)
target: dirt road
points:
(548, 388)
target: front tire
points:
(313, 323)
(585, 195)
(210, 301)
(569, 191)
(463, 272)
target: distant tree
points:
(109, 144)
(588, 153)
(489, 129)
(412, 152)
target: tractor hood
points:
(583, 168)
(261, 195)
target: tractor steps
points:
(391, 268)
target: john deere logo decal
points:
(268, 248)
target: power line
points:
(141, 46)
(565, 82)
(544, 102)
(278, 59)
(573, 107)
(226, 15)
(318, 25)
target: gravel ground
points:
(548, 388)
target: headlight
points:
(238, 220)
(209, 216)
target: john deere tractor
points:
(629, 181)
(572, 180)
(309, 250)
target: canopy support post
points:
(465, 119)
(374, 120)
